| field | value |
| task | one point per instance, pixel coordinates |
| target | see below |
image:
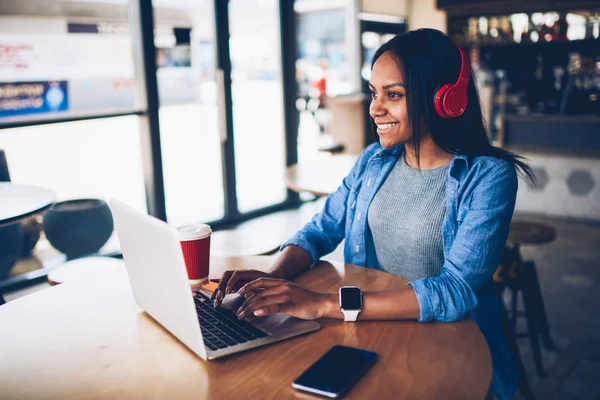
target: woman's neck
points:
(431, 156)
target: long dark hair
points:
(429, 59)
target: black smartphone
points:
(334, 374)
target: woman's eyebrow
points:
(391, 85)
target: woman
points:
(432, 202)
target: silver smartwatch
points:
(350, 302)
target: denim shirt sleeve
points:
(475, 252)
(327, 229)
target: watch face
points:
(351, 298)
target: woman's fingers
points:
(238, 277)
(233, 281)
(261, 303)
(261, 283)
(261, 293)
(222, 285)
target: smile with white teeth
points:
(385, 127)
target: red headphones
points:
(450, 100)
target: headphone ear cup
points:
(438, 100)
(454, 102)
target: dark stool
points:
(520, 277)
(332, 148)
(327, 144)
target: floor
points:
(569, 273)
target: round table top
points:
(92, 341)
(321, 176)
(530, 232)
(19, 201)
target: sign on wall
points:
(24, 98)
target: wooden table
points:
(93, 341)
(18, 201)
(321, 176)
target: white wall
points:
(559, 190)
(21, 24)
(399, 8)
(420, 13)
(424, 14)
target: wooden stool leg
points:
(523, 383)
(514, 308)
(540, 309)
(532, 317)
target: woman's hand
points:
(232, 280)
(266, 296)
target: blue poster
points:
(25, 98)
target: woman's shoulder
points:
(492, 174)
(491, 164)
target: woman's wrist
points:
(330, 307)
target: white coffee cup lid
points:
(194, 231)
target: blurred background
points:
(195, 110)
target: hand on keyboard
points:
(231, 281)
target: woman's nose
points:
(376, 109)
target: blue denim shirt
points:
(480, 200)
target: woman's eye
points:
(395, 95)
(373, 94)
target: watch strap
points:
(350, 315)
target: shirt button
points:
(369, 183)
(358, 216)
(356, 248)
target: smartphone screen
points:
(336, 371)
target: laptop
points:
(158, 278)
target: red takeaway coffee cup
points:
(195, 243)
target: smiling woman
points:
(431, 202)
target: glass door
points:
(222, 123)
(257, 103)
(189, 110)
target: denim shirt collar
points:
(453, 171)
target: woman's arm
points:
(397, 304)
(291, 261)
(267, 296)
(475, 252)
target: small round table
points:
(529, 232)
(19, 201)
(320, 177)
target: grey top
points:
(405, 219)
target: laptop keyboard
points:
(220, 327)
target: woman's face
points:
(388, 102)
